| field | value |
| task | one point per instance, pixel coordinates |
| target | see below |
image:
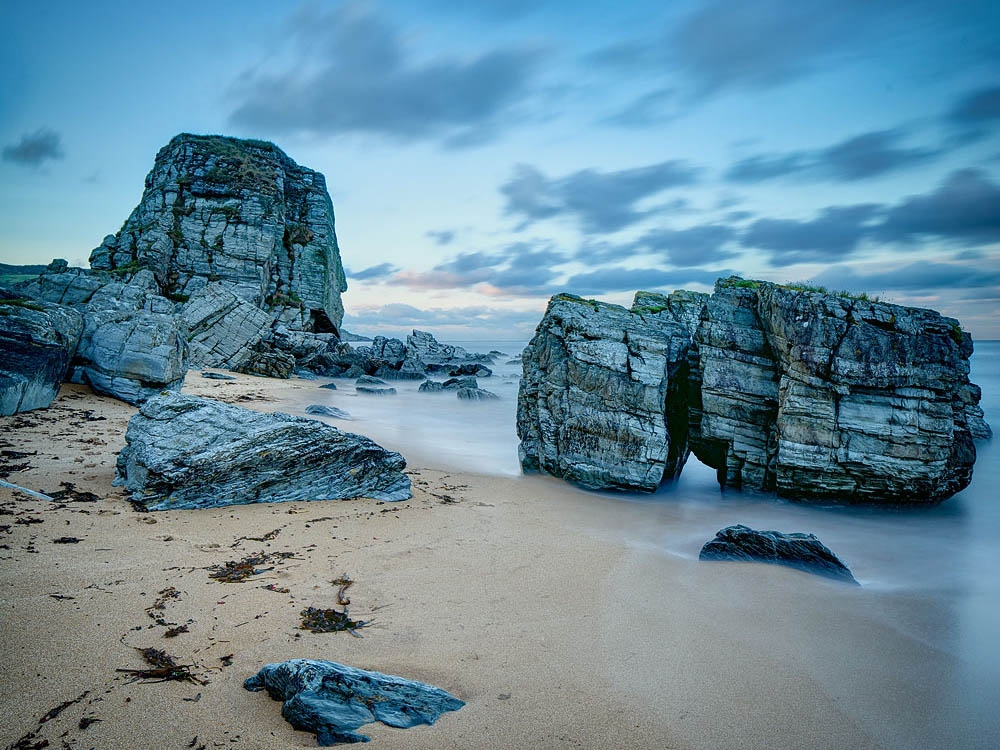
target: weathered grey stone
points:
(321, 410)
(828, 398)
(333, 700)
(223, 328)
(37, 341)
(475, 394)
(132, 345)
(64, 285)
(681, 306)
(217, 376)
(329, 386)
(244, 215)
(187, 452)
(369, 380)
(372, 390)
(802, 551)
(431, 386)
(592, 404)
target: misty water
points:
(946, 558)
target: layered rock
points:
(333, 700)
(188, 452)
(602, 402)
(802, 551)
(825, 397)
(133, 346)
(37, 343)
(240, 213)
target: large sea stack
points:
(815, 396)
(241, 213)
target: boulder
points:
(372, 390)
(329, 386)
(476, 394)
(321, 410)
(242, 214)
(333, 700)
(132, 346)
(431, 386)
(426, 354)
(369, 380)
(603, 398)
(803, 551)
(37, 342)
(187, 452)
(832, 398)
(64, 285)
(463, 381)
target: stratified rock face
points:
(603, 399)
(333, 700)
(802, 551)
(822, 397)
(37, 342)
(132, 346)
(244, 214)
(188, 452)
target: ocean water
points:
(934, 572)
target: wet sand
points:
(526, 598)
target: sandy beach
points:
(522, 596)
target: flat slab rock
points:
(333, 700)
(802, 551)
(186, 452)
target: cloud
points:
(441, 236)
(694, 246)
(965, 207)
(34, 149)
(602, 202)
(519, 268)
(468, 322)
(609, 280)
(356, 75)
(977, 107)
(920, 276)
(857, 158)
(381, 271)
(649, 109)
(835, 232)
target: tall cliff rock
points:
(603, 399)
(826, 397)
(241, 213)
(815, 396)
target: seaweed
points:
(238, 571)
(164, 668)
(330, 621)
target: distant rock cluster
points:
(815, 396)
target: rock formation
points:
(333, 700)
(816, 396)
(603, 399)
(802, 551)
(37, 342)
(240, 213)
(826, 397)
(188, 452)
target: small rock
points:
(327, 411)
(375, 391)
(329, 386)
(217, 376)
(369, 380)
(476, 394)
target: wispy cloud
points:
(601, 202)
(834, 233)
(357, 75)
(441, 236)
(34, 149)
(373, 273)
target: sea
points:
(946, 557)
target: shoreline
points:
(522, 596)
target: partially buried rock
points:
(803, 551)
(374, 391)
(217, 376)
(187, 452)
(333, 700)
(321, 410)
(369, 380)
(329, 386)
(37, 342)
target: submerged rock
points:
(188, 452)
(372, 390)
(321, 410)
(369, 380)
(333, 700)
(603, 400)
(803, 551)
(37, 342)
(476, 394)
(823, 397)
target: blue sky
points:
(482, 156)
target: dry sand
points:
(522, 596)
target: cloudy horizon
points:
(482, 156)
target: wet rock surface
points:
(802, 551)
(333, 700)
(187, 452)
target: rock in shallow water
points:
(322, 410)
(188, 452)
(333, 700)
(803, 551)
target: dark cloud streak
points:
(34, 149)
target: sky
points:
(482, 156)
